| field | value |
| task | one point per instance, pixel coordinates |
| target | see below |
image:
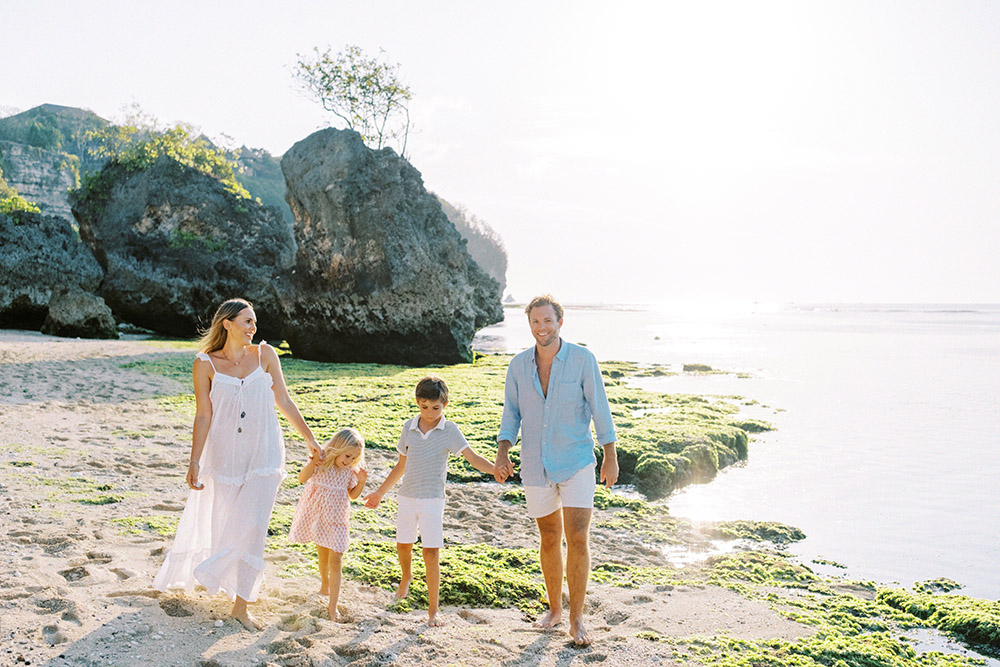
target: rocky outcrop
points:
(174, 243)
(381, 274)
(484, 244)
(74, 313)
(38, 254)
(40, 176)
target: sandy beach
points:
(86, 446)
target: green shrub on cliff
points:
(139, 145)
(11, 203)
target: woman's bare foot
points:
(242, 614)
(248, 621)
(549, 620)
(435, 621)
(404, 588)
(335, 615)
(579, 633)
(324, 589)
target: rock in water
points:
(39, 253)
(74, 313)
(175, 243)
(381, 274)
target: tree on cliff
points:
(364, 92)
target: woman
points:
(237, 462)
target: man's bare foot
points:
(579, 633)
(549, 620)
(435, 621)
(248, 621)
(404, 588)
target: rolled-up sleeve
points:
(510, 422)
(597, 398)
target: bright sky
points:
(626, 151)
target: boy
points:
(424, 446)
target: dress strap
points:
(205, 357)
(260, 346)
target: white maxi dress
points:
(221, 534)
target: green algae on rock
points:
(973, 620)
(758, 531)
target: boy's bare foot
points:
(404, 588)
(248, 621)
(435, 621)
(579, 633)
(549, 620)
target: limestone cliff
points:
(41, 176)
(484, 244)
(380, 274)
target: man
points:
(553, 391)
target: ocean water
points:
(887, 448)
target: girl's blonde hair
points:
(342, 441)
(214, 337)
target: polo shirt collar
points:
(415, 424)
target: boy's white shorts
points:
(425, 515)
(577, 491)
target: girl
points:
(324, 509)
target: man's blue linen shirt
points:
(555, 430)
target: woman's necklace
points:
(237, 363)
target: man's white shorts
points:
(425, 515)
(577, 491)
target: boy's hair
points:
(545, 300)
(342, 441)
(432, 388)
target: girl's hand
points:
(372, 500)
(362, 475)
(192, 476)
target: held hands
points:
(314, 451)
(503, 469)
(372, 499)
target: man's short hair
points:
(432, 388)
(545, 300)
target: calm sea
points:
(887, 448)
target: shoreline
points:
(92, 480)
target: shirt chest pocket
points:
(569, 393)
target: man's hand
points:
(609, 467)
(503, 469)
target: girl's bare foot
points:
(549, 620)
(435, 621)
(404, 588)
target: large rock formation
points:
(381, 274)
(39, 253)
(174, 243)
(41, 176)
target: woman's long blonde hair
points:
(343, 440)
(214, 337)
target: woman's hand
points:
(194, 469)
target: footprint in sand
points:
(174, 607)
(53, 635)
(74, 573)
